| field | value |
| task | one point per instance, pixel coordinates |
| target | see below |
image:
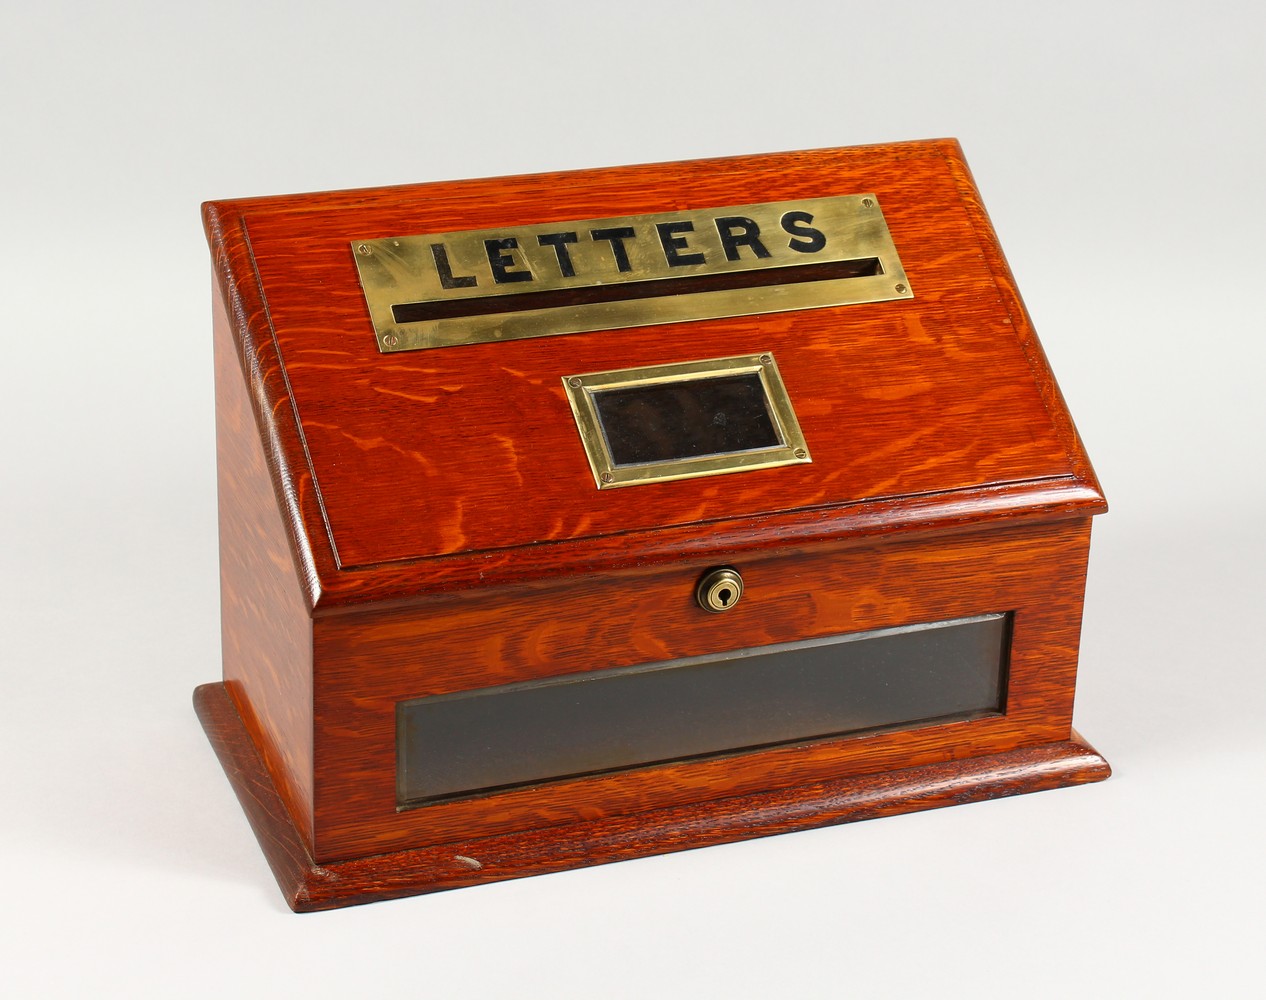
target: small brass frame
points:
(582, 391)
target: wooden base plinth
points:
(309, 886)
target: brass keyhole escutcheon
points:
(719, 590)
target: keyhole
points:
(719, 590)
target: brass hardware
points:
(719, 590)
(787, 447)
(471, 287)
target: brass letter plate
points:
(446, 289)
(702, 418)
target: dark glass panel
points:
(679, 420)
(616, 719)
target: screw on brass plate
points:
(867, 203)
(801, 453)
(574, 383)
(766, 359)
(607, 477)
(391, 340)
(364, 250)
(719, 590)
(901, 289)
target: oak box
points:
(578, 517)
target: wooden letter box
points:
(579, 517)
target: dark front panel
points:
(518, 734)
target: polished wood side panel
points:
(238, 303)
(457, 467)
(265, 627)
(308, 886)
(285, 848)
(366, 663)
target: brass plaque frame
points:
(582, 389)
(545, 279)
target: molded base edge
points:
(308, 886)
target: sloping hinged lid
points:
(409, 470)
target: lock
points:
(719, 590)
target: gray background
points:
(1119, 147)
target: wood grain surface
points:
(420, 523)
(368, 662)
(265, 628)
(425, 470)
(308, 886)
